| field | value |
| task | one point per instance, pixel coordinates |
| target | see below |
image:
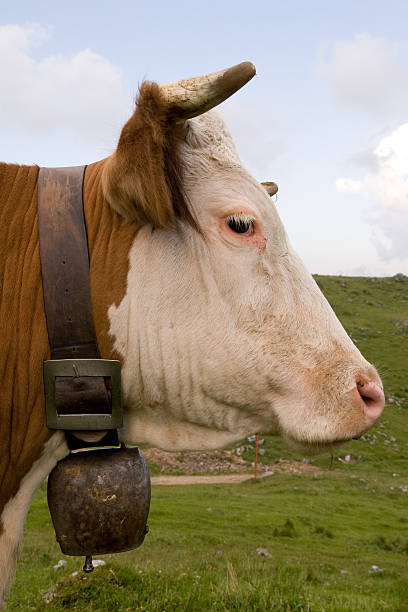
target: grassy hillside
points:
(333, 541)
(374, 311)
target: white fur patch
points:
(15, 511)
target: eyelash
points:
(241, 224)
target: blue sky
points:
(324, 116)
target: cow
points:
(220, 329)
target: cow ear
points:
(141, 180)
(270, 187)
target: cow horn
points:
(191, 97)
(270, 187)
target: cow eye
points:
(240, 224)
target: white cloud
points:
(366, 73)
(348, 185)
(386, 189)
(83, 92)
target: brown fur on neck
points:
(142, 179)
(22, 329)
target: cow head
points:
(222, 330)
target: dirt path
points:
(184, 480)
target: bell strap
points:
(66, 286)
(65, 264)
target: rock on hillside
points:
(402, 278)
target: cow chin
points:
(322, 439)
(311, 449)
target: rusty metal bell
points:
(99, 501)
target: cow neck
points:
(66, 287)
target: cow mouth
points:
(357, 411)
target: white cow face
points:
(224, 332)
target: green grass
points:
(324, 533)
(373, 311)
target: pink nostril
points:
(372, 396)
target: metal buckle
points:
(83, 367)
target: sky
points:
(326, 116)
